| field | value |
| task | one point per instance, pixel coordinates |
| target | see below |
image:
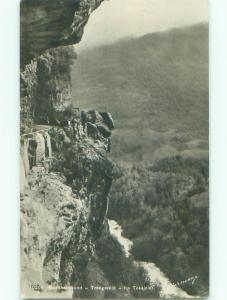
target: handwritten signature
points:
(191, 279)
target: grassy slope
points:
(156, 87)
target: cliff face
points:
(47, 24)
(65, 182)
(65, 175)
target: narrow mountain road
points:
(37, 129)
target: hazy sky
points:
(116, 19)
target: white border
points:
(9, 162)
(9, 145)
(218, 149)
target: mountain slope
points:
(156, 87)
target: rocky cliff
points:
(65, 176)
(66, 247)
(48, 24)
(64, 199)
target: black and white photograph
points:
(114, 149)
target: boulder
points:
(108, 120)
(92, 130)
(104, 131)
(91, 116)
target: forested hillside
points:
(156, 88)
(163, 208)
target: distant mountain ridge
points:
(155, 86)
